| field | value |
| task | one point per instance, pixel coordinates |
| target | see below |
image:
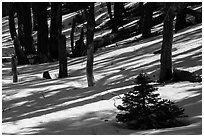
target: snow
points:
(67, 106)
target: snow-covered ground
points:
(67, 106)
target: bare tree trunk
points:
(118, 18)
(62, 57)
(141, 9)
(35, 18)
(12, 26)
(166, 53)
(14, 69)
(147, 19)
(20, 23)
(42, 31)
(55, 28)
(27, 28)
(21, 57)
(90, 45)
(108, 4)
(72, 36)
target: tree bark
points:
(72, 36)
(14, 69)
(21, 57)
(55, 28)
(42, 35)
(90, 45)
(27, 28)
(35, 18)
(108, 4)
(62, 57)
(12, 26)
(20, 23)
(118, 18)
(166, 53)
(147, 19)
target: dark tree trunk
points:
(118, 18)
(147, 19)
(14, 69)
(35, 18)
(166, 53)
(72, 36)
(20, 23)
(108, 4)
(62, 57)
(42, 35)
(141, 9)
(12, 26)
(180, 20)
(55, 28)
(196, 14)
(21, 57)
(80, 48)
(90, 45)
(27, 28)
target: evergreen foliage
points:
(144, 109)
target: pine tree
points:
(144, 109)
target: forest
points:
(101, 68)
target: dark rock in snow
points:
(46, 75)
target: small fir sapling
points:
(143, 109)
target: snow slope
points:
(68, 106)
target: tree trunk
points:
(12, 26)
(141, 9)
(27, 28)
(55, 28)
(147, 19)
(21, 57)
(118, 18)
(72, 36)
(108, 4)
(42, 35)
(166, 53)
(180, 20)
(80, 48)
(90, 45)
(20, 23)
(62, 57)
(14, 69)
(35, 18)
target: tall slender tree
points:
(118, 18)
(166, 52)
(90, 44)
(42, 27)
(55, 28)
(72, 35)
(27, 27)
(12, 26)
(147, 19)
